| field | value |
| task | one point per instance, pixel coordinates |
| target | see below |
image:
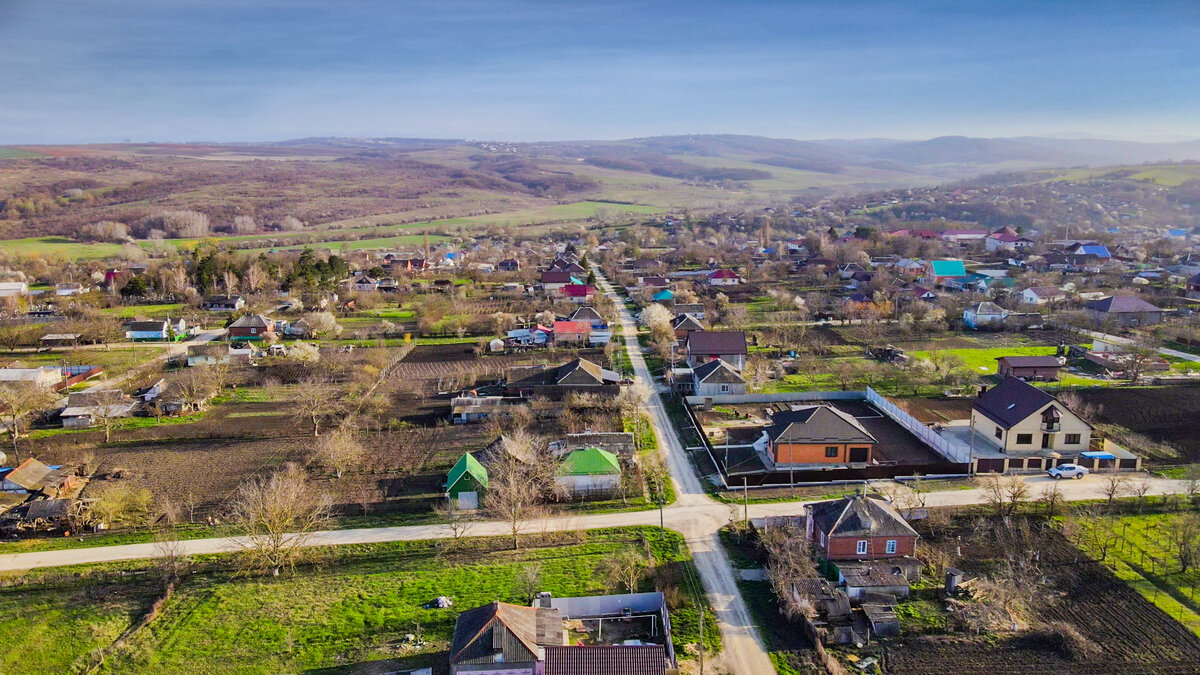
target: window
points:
(861, 549)
(891, 546)
(1024, 439)
(999, 432)
(724, 388)
(1072, 439)
(822, 539)
(831, 451)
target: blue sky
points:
(245, 70)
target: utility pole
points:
(700, 608)
(745, 501)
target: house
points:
(584, 373)
(83, 408)
(683, 324)
(638, 659)
(909, 269)
(468, 409)
(552, 281)
(818, 434)
(10, 289)
(589, 472)
(1193, 287)
(919, 293)
(665, 295)
(156, 331)
(364, 283)
(509, 265)
(941, 272)
(504, 639)
(578, 293)
(716, 378)
(571, 332)
(1028, 367)
(70, 289)
(149, 393)
(1041, 295)
(694, 310)
(724, 277)
(253, 327)
(705, 346)
(223, 303)
(859, 527)
(590, 315)
(1123, 310)
(1019, 417)
(656, 281)
(985, 316)
(47, 377)
(1005, 241)
(466, 482)
(964, 236)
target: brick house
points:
(858, 527)
(571, 332)
(252, 327)
(818, 434)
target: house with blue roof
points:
(664, 295)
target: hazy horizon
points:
(226, 71)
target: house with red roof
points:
(572, 332)
(578, 293)
(724, 277)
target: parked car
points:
(1068, 471)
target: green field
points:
(1144, 559)
(16, 153)
(983, 361)
(355, 607)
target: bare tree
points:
(789, 560)
(624, 569)
(1114, 484)
(1140, 487)
(1051, 497)
(19, 400)
(1005, 494)
(313, 400)
(277, 517)
(459, 522)
(171, 555)
(529, 581)
(106, 407)
(340, 451)
(518, 482)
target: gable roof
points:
(1046, 291)
(817, 424)
(148, 326)
(857, 516)
(593, 370)
(578, 290)
(664, 294)
(948, 268)
(689, 322)
(717, 342)
(572, 327)
(1011, 401)
(724, 274)
(986, 307)
(717, 372)
(529, 627)
(556, 277)
(467, 465)
(1121, 303)
(586, 313)
(1097, 250)
(590, 462)
(252, 321)
(593, 659)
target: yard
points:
(356, 606)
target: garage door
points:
(468, 500)
(991, 466)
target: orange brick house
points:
(818, 434)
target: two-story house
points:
(1019, 417)
(705, 346)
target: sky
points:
(261, 70)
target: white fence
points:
(952, 450)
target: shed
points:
(590, 471)
(467, 478)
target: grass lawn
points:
(155, 311)
(17, 153)
(356, 606)
(983, 361)
(1144, 559)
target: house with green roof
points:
(589, 472)
(941, 271)
(466, 482)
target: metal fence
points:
(951, 449)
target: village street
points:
(694, 514)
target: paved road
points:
(693, 514)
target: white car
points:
(1068, 471)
